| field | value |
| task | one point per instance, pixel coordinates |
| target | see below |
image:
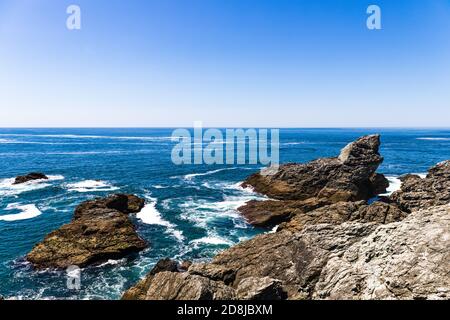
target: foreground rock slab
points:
(402, 260)
(408, 259)
(100, 230)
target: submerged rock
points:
(417, 193)
(100, 230)
(29, 177)
(349, 177)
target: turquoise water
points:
(191, 211)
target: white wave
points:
(193, 175)
(91, 186)
(8, 188)
(214, 240)
(80, 136)
(28, 211)
(202, 212)
(160, 187)
(435, 139)
(292, 143)
(394, 185)
(150, 215)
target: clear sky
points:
(228, 63)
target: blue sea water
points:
(191, 211)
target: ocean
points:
(191, 209)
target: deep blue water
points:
(191, 212)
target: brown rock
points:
(184, 286)
(417, 193)
(100, 230)
(349, 177)
(29, 177)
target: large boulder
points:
(184, 286)
(417, 193)
(349, 177)
(30, 177)
(100, 230)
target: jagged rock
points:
(139, 291)
(165, 265)
(29, 177)
(184, 266)
(379, 183)
(417, 193)
(213, 272)
(272, 212)
(265, 288)
(184, 286)
(100, 230)
(402, 260)
(349, 177)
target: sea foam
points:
(150, 215)
(91, 186)
(28, 211)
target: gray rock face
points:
(349, 177)
(402, 260)
(184, 286)
(265, 288)
(417, 193)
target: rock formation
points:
(349, 177)
(29, 177)
(100, 230)
(304, 187)
(433, 190)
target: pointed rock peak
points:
(361, 148)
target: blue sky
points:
(228, 63)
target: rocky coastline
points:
(335, 237)
(333, 241)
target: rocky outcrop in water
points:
(433, 190)
(349, 177)
(100, 230)
(30, 177)
(300, 188)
